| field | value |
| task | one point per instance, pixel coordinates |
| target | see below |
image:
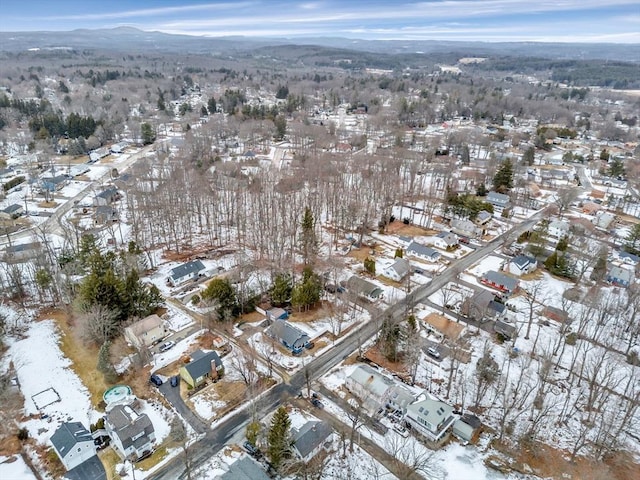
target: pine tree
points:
(222, 292)
(281, 290)
(308, 237)
(278, 438)
(503, 179)
(529, 156)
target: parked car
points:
(166, 346)
(433, 352)
(250, 448)
(156, 380)
(174, 381)
(401, 430)
(317, 403)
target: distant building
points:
(445, 240)
(106, 197)
(363, 288)
(13, 211)
(21, 252)
(619, 276)
(465, 227)
(500, 281)
(423, 252)
(398, 270)
(498, 200)
(522, 265)
(185, 272)
(558, 229)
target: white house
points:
(313, 437)
(185, 272)
(466, 228)
(498, 200)
(423, 252)
(132, 434)
(377, 391)
(73, 444)
(558, 229)
(398, 270)
(430, 418)
(445, 240)
(521, 265)
(603, 220)
(97, 154)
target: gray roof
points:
(67, 435)
(244, 469)
(201, 363)
(90, 469)
(311, 435)
(371, 380)
(522, 261)
(108, 193)
(463, 430)
(433, 411)
(287, 333)
(127, 423)
(620, 273)
(505, 328)
(501, 279)
(499, 199)
(626, 255)
(401, 266)
(22, 247)
(13, 208)
(186, 269)
(363, 287)
(448, 237)
(484, 215)
(422, 250)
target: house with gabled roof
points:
(603, 220)
(73, 444)
(53, 184)
(185, 272)
(522, 265)
(313, 437)
(13, 211)
(363, 288)
(508, 330)
(498, 200)
(203, 365)
(442, 327)
(465, 227)
(466, 427)
(445, 240)
(291, 337)
(499, 281)
(619, 276)
(423, 252)
(146, 332)
(431, 419)
(628, 258)
(21, 252)
(132, 433)
(377, 391)
(483, 218)
(482, 306)
(398, 270)
(244, 468)
(558, 229)
(106, 197)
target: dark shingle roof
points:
(310, 436)
(127, 423)
(201, 363)
(287, 333)
(90, 469)
(244, 469)
(67, 435)
(186, 268)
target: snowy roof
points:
(499, 199)
(433, 412)
(449, 238)
(401, 266)
(371, 380)
(310, 436)
(13, 208)
(145, 325)
(186, 269)
(127, 423)
(69, 434)
(620, 273)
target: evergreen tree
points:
(399, 253)
(308, 237)
(529, 156)
(281, 127)
(148, 135)
(281, 290)
(633, 240)
(503, 179)
(222, 292)
(211, 105)
(104, 365)
(370, 266)
(307, 292)
(616, 168)
(279, 439)
(465, 157)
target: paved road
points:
(172, 394)
(232, 426)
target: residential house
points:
(483, 218)
(132, 433)
(377, 391)
(431, 419)
(105, 214)
(522, 265)
(465, 227)
(466, 427)
(13, 211)
(508, 330)
(21, 252)
(423, 252)
(558, 229)
(591, 208)
(313, 437)
(482, 306)
(118, 147)
(498, 200)
(363, 288)
(73, 444)
(53, 184)
(6, 173)
(146, 332)
(97, 154)
(499, 281)
(445, 240)
(442, 327)
(603, 220)
(556, 314)
(185, 272)
(291, 337)
(619, 276)
(203, 365)
(398, 270)
(106, 197)
(77, 170)
(628, 258)
(245, 468)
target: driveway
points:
(172, 394)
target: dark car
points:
(250, 448)
(156, 380)
(174, 381)
(317, 403)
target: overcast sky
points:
(487, 20)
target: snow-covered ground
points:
(15, 468)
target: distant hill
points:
(133, 40)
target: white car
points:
(433, 352)
(166, 346)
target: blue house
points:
(291, 337)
